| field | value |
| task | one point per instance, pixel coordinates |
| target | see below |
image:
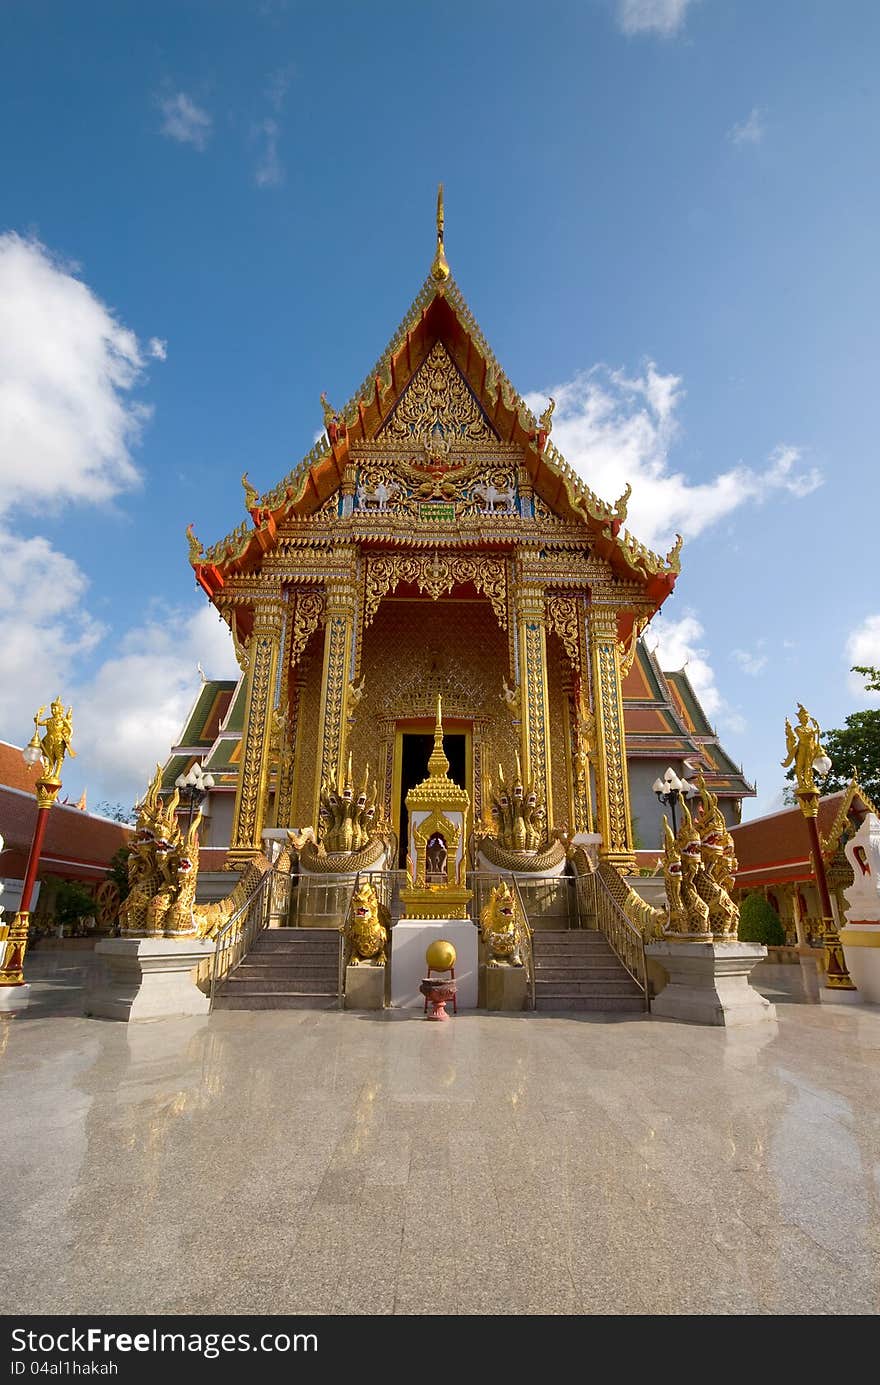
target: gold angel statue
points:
(802, 742)
(56, 742)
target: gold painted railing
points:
(524, 939)
(595, 901)
(238, 934)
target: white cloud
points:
(749, 131)
(614, 429)
(651, 16)
(269, 172)
(131, 712)
(750, 663)
(45, 629)
(67, 366)
(678, 644)
(184, 121)
(863, 648)
(158, 348)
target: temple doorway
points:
(415, 749)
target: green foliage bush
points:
(759, 922)
(72, 903)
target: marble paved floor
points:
(321, 1162)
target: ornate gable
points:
(438, 406)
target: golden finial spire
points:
(440, 267)
(438, 765)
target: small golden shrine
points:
(437, 810)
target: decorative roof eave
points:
(321, 471)
(852, 792)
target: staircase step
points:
(270, 985)
(258, 972)
(288, 1000)
(605, 985)
(310, 966)
(306, 951)
(590, 972)
(630, 1004)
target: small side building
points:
(78, 845)
(774, 858)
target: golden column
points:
(612, 781)
(534, 702)
(808, 758)
(338, 637)
(50, 751)
(253, 779)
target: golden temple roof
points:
(439, 313)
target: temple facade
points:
(435, 542)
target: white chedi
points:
(863, 854)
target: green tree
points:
(759, 922)
(115, 811)
(118, 870)
(72, 902)
(853, 748)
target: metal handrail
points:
(224, 944)
(523, 918)
(625, 940)
(345, 942)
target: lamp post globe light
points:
(670, 789)
(811, 764)
(49, 751)
(195, 787)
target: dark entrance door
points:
(414, 755)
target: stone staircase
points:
(576, 969)
(286, 969)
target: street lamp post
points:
(49, 751)
(670, 789)
(810, 763)
(194, 786)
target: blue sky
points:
(662, 211)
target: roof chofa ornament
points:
(440, 267)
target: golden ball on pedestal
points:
(440, 955)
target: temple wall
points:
(416, 646)
(311, 668)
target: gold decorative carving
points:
(309, 612)
(627, 648)
(612, 782)
(252, 783)
(562, 617)
(336, 655)
(437, 404)
(535, 684)
(435, 574)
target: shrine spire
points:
(440, 267)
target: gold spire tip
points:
(440, 267)
(438, 765)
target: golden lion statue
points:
(498, 927)
(367, 929)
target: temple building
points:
(434, 541)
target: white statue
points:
(863, 854)
(376, 499)
(493, 499)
